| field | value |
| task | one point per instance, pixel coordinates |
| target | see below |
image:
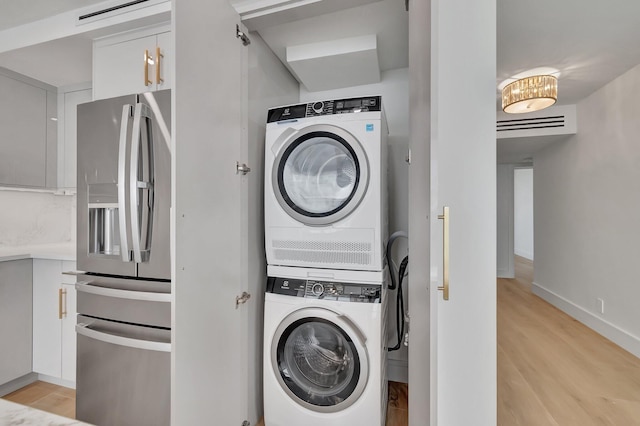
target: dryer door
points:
(320, 360)
(320, 174)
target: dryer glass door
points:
(321, 176)
(320, 365)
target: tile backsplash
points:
(28, 218)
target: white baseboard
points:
(398, 370)
(525, 254)
(57, 381)
(611, 331)
(505, 273)
(18, 383)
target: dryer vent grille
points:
(349, 246)
(320, 252)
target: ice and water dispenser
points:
(104, 225)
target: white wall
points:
(523, 212)
(394, 89)
(504, 221)
(587, 214)
(30, 217)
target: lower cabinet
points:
(54, 318)
(15, 319)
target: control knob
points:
(317, 289)
(318, 107)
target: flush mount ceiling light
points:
(530, 94)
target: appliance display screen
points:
(353, 103)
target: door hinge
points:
(406, 5)
(242, 299)
(242, 36)
(242, 168)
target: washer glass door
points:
(319, 364)
(321, 175)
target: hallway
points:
(553, 370)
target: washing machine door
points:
(320, 174)
(320, 359)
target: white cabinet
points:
(68, 100)
(15, 319)
(54, 320)
(133, 62)
(68, 330)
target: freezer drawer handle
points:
(85, 287)
(146, 345)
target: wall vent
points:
(559, 120)
(109, 9)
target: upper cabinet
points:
(28, 135)
(133, 62)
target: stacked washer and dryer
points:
(325, 345)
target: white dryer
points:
(325, 350)
(325, 185)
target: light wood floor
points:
(552, 370)
(46, 397)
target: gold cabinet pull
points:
(147, 59)
(445, 252)
(159, 55)
(62, 311)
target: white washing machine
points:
(325, 350)
(325, 185)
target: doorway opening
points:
(523, 241)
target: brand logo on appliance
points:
(369, 127)
(286, 112)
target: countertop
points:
(16, 414)
(59, 251)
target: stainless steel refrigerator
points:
(124, 291)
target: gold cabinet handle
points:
(159, 55)
(445, 252)
(147, 59)
(62, 294)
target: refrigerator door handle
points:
(141, 111)
(122, 189)
(86, 287)
(148, 345)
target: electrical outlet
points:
(600, 305)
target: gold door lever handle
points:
(62, 294)
(147, 60)
(445, 252)
(159, 80)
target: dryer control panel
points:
(330, 290)
(313, 109)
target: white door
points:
(452, 351)
(209, 357)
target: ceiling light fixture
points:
(530, 94)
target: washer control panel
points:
(330, 290)
(330, 107)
